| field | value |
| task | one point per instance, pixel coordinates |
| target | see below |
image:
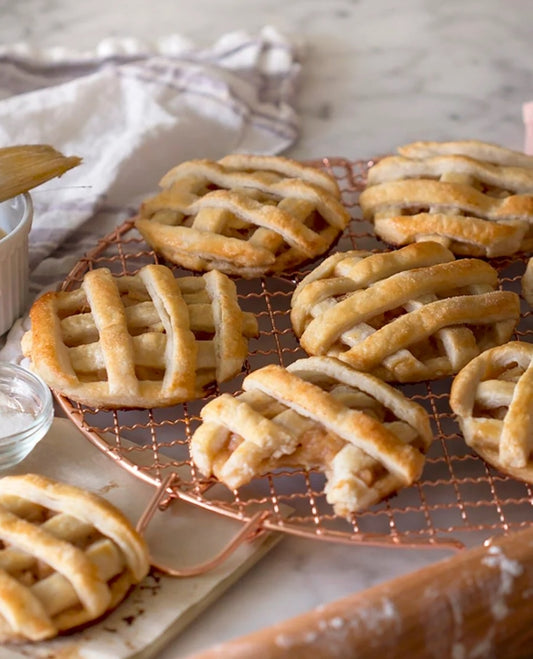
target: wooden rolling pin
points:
(473, 605)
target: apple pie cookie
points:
(492, 397)
(143, 340)
(317, 413)
(67, 557)
(243, 215)
(473, 197)
(407, 315)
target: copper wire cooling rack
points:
(459, 500)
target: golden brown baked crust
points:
(527, 283)
(68, 557)
(487, 151)
(243, 215)
(473, 197)
(143, 340)
(366, 436)
(492, 397)
(407, 315)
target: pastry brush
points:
(26, 166)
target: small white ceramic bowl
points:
(16, 216)
(26, 413)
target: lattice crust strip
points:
(243, 215)
(493, 398)
(407, 315)
(458, 498)
(364, 435)
(474, 198)
(140, 340)
(66, 557)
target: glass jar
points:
(26, 413)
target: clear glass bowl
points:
(26, 413)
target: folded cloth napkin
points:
(132, 112)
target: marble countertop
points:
(375, 75)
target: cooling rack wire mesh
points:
(459, 499)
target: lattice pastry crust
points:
(492, 397)
(527, 283)
(243, 215)
(474, 198)
(407, 315)
(366, 436)
(143, 340)
(67, 557)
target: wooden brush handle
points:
(476, 604)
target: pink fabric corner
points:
(527, 115)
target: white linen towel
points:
(132, 112)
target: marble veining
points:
(375, 75)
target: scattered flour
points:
(485, 647)
(284, 641)
(458, 651)
(372, 618)
(509, 570)
(336, 623)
